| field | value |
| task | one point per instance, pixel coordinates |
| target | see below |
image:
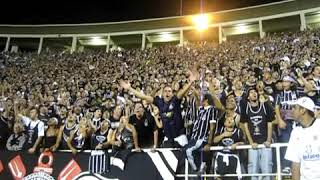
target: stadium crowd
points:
(200, 95)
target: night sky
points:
(90, 11)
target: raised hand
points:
(193, 75)
(124, 84)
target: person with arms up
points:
(170, 110)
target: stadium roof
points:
(160, 23)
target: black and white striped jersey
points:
(201, 127)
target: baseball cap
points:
(304, 102)
(288, 78)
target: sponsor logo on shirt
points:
(311, 157)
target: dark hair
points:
(35, 108)
(167, 85)
(114, 108)
(209, 98)
(248, 92)
(138, 102)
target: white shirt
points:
(304, 148)
(27, 120)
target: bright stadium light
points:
(241, 28)
(201, 21)
(165, 36)
(97, 41)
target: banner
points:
(98, 164)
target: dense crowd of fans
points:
(200, 95)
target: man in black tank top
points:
(227, 161)
(257, 118)
(101, 138)
(64, 133)
(34, 129)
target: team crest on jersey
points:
(100, 138)
(227, 141)
(170, 107)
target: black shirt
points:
(170, 113)
(99, 137)
(4, 131)
(258, 118)
(237, 136)
(144, 127)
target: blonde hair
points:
(20, 125)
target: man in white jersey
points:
(304, 145)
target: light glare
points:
(201, 21)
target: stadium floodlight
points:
(97, 41)
(166, 36)
(201, 21)
(241, 28)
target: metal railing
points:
(186, 175)
(278, 174)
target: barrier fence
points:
(278, 174)
(164, 163)
(186, 175)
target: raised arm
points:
(127, 86)
(193, 76)
(216, 100)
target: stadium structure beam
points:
(223, 24)
(181, 37)
(40, 45)
(108, 44)
(303, 25)
(74, 44)
(261, 32)
(143, 44)
(220, 34)
(6, 49)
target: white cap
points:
(305, 102)
(286, 58)
(288, 78)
